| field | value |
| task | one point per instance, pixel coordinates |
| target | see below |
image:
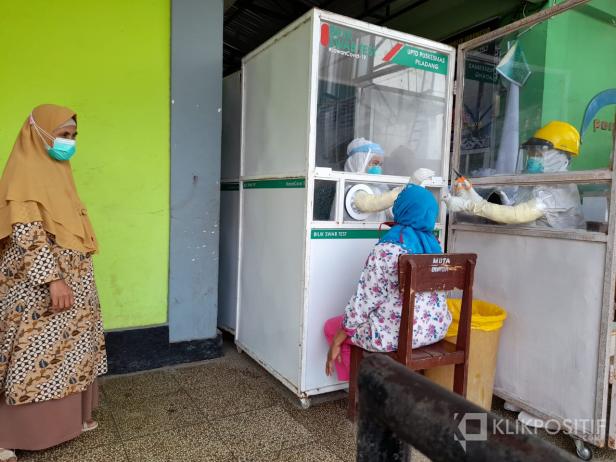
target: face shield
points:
(532, 156)
(364, 156)
(375, 165)
(541, 157)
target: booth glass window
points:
(324, 206)
(351, 215)
(517, 86)
(392, 94)
(566, 206)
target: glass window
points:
(567, 206)
(391, 94)
(517, 86)
(352, 215)
(324, 207)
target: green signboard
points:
(480, 72)
(418, 58)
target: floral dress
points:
(372, 317)
(46, 355)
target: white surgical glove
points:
(467, 200)
(420, 175)
(457, 204)
(465, 190)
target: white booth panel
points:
(276, 87)
(272, 277)
(552, 290)
(231, 126)
(229, 249)
(335, 267)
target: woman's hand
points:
(61, 295)
(333, 355)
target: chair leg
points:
(356, 357)
(460, 377)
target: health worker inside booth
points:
(550, 150)
(364, 156)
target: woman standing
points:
(51, 335)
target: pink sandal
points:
(87, 427)
(6, 455)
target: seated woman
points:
(372, 317)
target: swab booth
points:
(307, 93)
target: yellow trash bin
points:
(486, 322)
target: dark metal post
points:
(378, 443)
(398, 406)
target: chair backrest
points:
(432, 272)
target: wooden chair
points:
(427, 273)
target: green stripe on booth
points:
(354, 233)
(287, 183)
(346, 233)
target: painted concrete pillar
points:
(196, 98)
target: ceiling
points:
(249, 23)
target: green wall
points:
(579, 64)
(570, 58)
(109, 61)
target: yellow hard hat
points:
(558, 135)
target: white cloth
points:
(562, 205)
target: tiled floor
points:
(227, 409)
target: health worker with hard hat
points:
(550, 150)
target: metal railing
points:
(399, 409)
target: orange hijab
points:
(35, 187)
